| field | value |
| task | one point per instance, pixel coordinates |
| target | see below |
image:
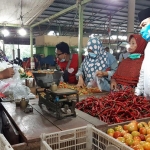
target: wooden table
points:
(30, 126)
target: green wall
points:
(50, 50)
(46, 50)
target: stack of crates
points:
(4, 145)
(83, 138)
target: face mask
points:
(145, 32)
(62, 60)
(92, 55)
(134, 56)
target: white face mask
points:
(63, 60)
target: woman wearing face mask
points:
(128, 70)
(98, 63)
(67, 62)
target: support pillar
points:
(131, 14)
(32, 63)
(80, 33)
(117, 36)
(31, 41)
(13, 51)
(3, 46)
(109, 31)
(45, 51)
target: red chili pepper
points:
(116, 107)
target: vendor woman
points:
(98, 63)
(128, 71)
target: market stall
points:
(31, 125)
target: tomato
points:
(132, 127)
(111, 134)
(128, 135)
(117, 134)
(137, 138)
(143, 130)
(142, 137)
(110, 130)
(121, 139)
(139, 125)
(125, 127)
(147, 136)
(148, 123)
(146, 146)
(123, 132)
(118, 128)
(148, 130)
(148, 139)
(135, 142)
(129, 141)
(138, 147)
(135, 133)
(145, 124)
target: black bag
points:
(66, 73)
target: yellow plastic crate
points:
(4, 145)
(83, 138)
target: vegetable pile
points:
(116, 107)
(135, 134)
(82, 91)
(26, 74)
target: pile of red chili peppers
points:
(116, 107)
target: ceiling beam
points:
(60, 13)
(12, 25)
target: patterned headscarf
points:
(91, 65)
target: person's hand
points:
(100, 74)
(7, 73)
(81, 83)
(113, 84)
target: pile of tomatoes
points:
(136, 135)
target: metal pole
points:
(31, 41)
(117, 36)
(60, 13)
(3, 45)
(32, 63)
(80, 36)
(13, 52)
(131, 14)
(109, 32)
(59, 30)
(13, 25)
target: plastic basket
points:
(4, 145)
(83, 138)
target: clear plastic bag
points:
(95, 83)
(13, 86)
(98, 81)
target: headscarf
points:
(128, 70)
(141, 43)
(90, 65)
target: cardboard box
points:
(47, 40)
